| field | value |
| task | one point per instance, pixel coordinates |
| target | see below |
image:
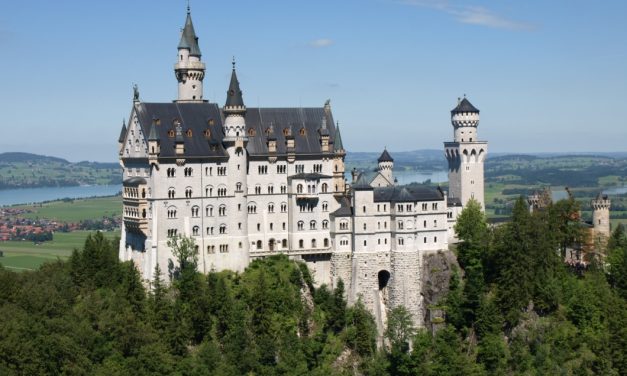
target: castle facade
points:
(247, 183)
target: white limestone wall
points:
(405, 283)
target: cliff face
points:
(437, 271)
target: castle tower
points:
(465, 155)
(338, 163)
(189, 70)
(235, 144)
(386, 166)
(601, 217)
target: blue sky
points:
(546, 75)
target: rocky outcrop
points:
(436, 275)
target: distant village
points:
(13, 226)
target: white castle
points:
(247, 183)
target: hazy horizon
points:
(547, 76)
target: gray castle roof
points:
(409, 193)
(234, 95)
(385, 157)
(189, 40)
(345, 209)
(338, 145)
(464, 106)
(202, 117)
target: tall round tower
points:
(601, 217)
(235, 141)
(189, 70)
(465, 155)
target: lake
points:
(32, 195)
(616, 191)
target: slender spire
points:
(337, 140)
(122, 132)
(234, 95)
(189, 40)
(152, 136)
(385, 156)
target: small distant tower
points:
(338, 163)
(386, 166)
(601, 217)
(465, 155)
(189, 70)
(154, 143)
(122, 137)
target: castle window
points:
(313, 243)
(188, 192)
(258, 226)
(344, 225)
(211, 249)
(239, 226)
(300, 168)
(325, 224)
(263, 170)
(209, 211)
(252, 208)
(299, 188)
(224, 248)
(259, 244)
(211, 122)
(222, 210)
(270, 208)
(172, 232)
(284, 243)
(400, 225)
(209, 230)
(270, 189)
(283, 226)
(378, 207)
(365, 243)
(301, 225)
(238, 187)
(207, 133)
(435, 223)
(424, 224)
(425, 240)
(364, 227)
(301, 243)
(324, 187)
(271, 226)
(221, 171)
(171, 172)
(283, 207)
(434, 206)
(435, 239)
(171, 133)
(364, 208)
(325, 206)
(221, 192)
(222, 229)
(283, 188)
(189, 133)
(195, 230)
(401, 241)
(195, 210)
(171, 193)
(312, 225)
(258, 189)
(171, 212)
(302, 131)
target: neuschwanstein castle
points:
(247, 183)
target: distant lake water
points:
(406, 177)
(32, 195)
(616, 191)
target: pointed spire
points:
(189, 40)
(234, 95)
(122, 132)
(152, 136)
(385, 156)
(337, 140)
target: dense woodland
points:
(513, 309)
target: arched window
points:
(326, 243)
(222, 210)
(325, 224)
(313, 243)
(324, 187)
(222, 229)
(259, 244)
(299, 188)
(195, 230)
(312, 225)
(301, 243)
(209, 211)
(195, 210)
(238, 187)
(301, 225)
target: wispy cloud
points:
(320, 43)
(473, 15)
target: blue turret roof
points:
(464, 106)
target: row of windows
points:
(311, 188)
(134, 212)
(405, 207)
(188, 171)
(401, 241)
(132, 192)
(224, 248)
(312, 225)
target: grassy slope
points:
(77, 210)
(24, 255)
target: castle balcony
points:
(136, 225)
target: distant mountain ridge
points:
(28, 170)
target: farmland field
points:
(25, 255)
(76, 210)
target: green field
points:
(77, 210)
(25, 255)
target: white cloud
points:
(320, 43)
(473, 15)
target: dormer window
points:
(171, 133)
(211, 122)
(189, 133)
(302, 131)
(286, 132)
(207, 133)
(251, 132)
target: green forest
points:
(514, 308)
